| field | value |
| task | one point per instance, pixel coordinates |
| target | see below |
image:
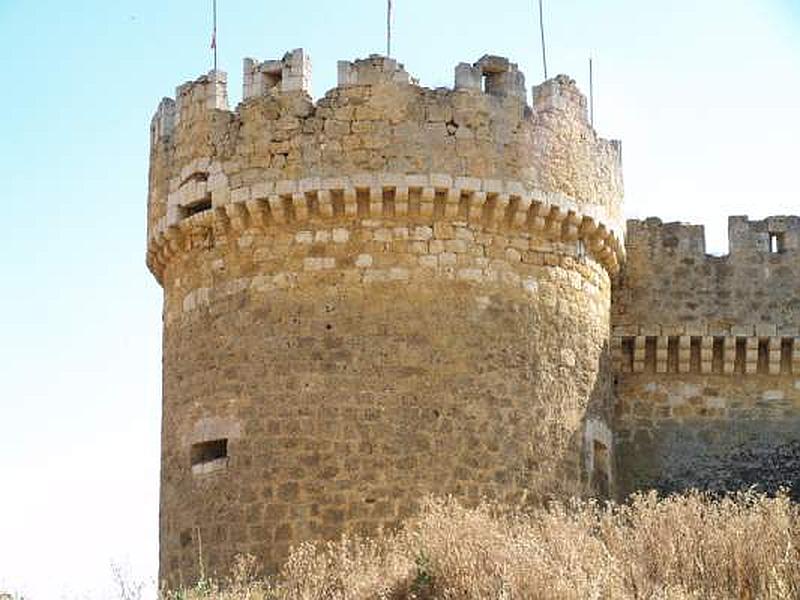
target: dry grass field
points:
(744, 546)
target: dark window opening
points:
(600, 472)
(185, 538)
(206, 452)
(197, 207)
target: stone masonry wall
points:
(669, 279)
(707, 356)
(356, 365)
(392, 292)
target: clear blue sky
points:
(704, 94)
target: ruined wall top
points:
(373, 70)
(292, 73)
(670, 281)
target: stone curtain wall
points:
(669, 280)
(676, 432)
(392, 292)
(707, 353)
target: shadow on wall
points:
(719, 457)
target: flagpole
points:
(591, 92)
(541, 29)
(389, 28)
(214, 36)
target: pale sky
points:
(704, 94)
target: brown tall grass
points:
(745, 546)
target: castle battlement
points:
(495, 75)
(290, 74)
(670, 281)
(193, 99)
(477, 151)
(372, 71)
(777, 237)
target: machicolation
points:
(396, 291)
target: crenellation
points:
(560, 93)
(668, 272)
(468, 77)
(655, 237)
(777, 236)
(292, 73)
(373, 70)
(494, 75)
(361, 127)
(209, 92)
(163, 122)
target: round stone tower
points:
(390, 292)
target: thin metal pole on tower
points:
(389, 28)
(214, 35)
(541, 29)
(591, 92)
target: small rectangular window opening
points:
(204, 453)
(776, 243)
(600, 472)
(197, 207)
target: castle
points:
(397, 291)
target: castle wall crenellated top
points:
(777, 237)
(669, 282)
(290, 74)
(378, 121)
(371, 71)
